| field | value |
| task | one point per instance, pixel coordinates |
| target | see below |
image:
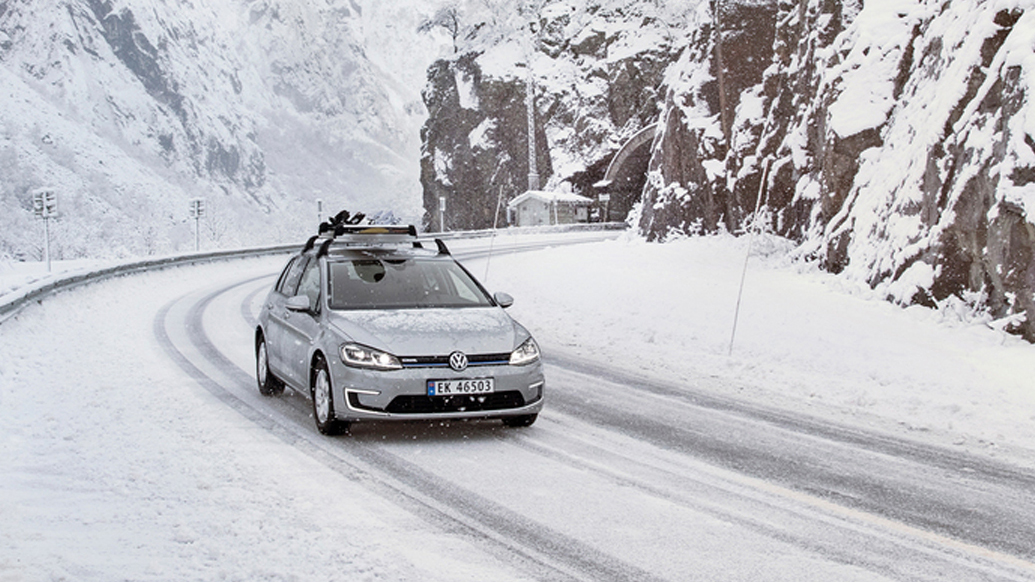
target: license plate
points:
(455, 387)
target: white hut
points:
(537, 208)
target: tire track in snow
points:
(980, 503)
(536, 549)
(830, 531)
(678, 438)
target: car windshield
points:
(402, 284)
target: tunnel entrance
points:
(626, 175)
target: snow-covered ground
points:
(118, 466)
(805, 340)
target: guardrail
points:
(12, 303)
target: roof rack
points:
(345, 228)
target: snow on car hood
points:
(431, 332)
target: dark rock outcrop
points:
(597, 85)
(474, 145)
(858, 158)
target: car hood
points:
(432, 332)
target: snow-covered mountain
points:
(893, 141)
(128, 108)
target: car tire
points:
(323, 401)
(269, 385)
(519, 421)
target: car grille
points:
(473, 360)
(434, 404)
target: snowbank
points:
(806, 340)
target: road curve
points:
(629, 479)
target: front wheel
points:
(323, 402)
(269, 385)
(519, 421)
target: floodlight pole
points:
(533, 170)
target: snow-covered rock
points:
(595, 66)
(892, 141)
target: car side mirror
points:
(298, 303)
(503, 300)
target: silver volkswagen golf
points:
(371, 325)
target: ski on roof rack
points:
(345, 228)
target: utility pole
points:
(197, 210)
(442, 214)
(44, 205)
(319, 210)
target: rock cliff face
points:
(895, 145)
(596, 69)
(894, 142)
(475, 145)
(705, 130)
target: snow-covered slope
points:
(128, 108)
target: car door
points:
(301, 327)
(277, 336)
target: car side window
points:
(292, 275)
(310, 284)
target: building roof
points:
(550, 197)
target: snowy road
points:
(138, 448)
(630, 479)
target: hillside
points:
(892, 142)
(128, 108)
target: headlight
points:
(526, 353)
(363, 357)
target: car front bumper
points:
(402, 394)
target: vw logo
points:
(458, 361)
